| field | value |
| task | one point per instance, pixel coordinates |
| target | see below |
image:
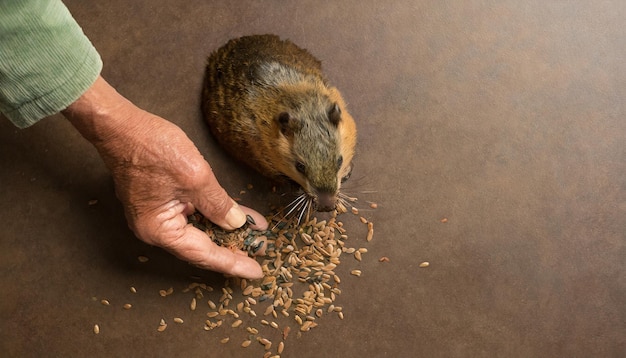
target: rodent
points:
(268, 104)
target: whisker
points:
(307, 207)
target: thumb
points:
(216, 205)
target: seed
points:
(444, 220)
(212, 305)
(96, 329)
(105, 302)
(251, 300)
(357, 255)
(213, 314)
(356, 272)
(425, 264)
(363, 250)
(370, 235)
(274, 324)
(248, 290)
(162, 327)
(142, 259)
(383, 259)
(162, 293)
(373, 205)
(363, 220)
(355, 211)
(265, 322)
(225, 340)
(252, 330)
(178, 320)
(340, 314)
(306, 326)
(133, 289)
(281, 346)
(246, 343)
(298, 319)
(318, 312)
(127, 306)
(237, 323)
(192, 305)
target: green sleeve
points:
(46, 62)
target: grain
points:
(96, 329)
(105, 302)
(224, 340)
(133, 289)
(237, 323)
(355, 211)
(142, 259)
(246, 343)
(281, 347)
(127, 306)
(356, 273)
(425, 264)
(363, 220)
(274, 324)
(373, 205)
(178, 320)
(383, 259)
(444, 220)
(192, 305)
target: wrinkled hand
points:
(160, 178)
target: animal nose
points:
(325, 202)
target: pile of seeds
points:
(299, 286)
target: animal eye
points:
(347, 176)
(300, 167)
(339, 161)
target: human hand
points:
(161, 178)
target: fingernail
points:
(235, 217)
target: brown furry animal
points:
(268, 104)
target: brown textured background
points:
(506, 117)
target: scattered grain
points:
(178, 320)
(425, 264)
(96, 329)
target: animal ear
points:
(288, 124)
(334, 114)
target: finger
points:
(258, 221)
(198, 249)
(215, 204)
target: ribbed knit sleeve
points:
(46, 61)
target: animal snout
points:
(326, 202)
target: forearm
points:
(46, 62)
